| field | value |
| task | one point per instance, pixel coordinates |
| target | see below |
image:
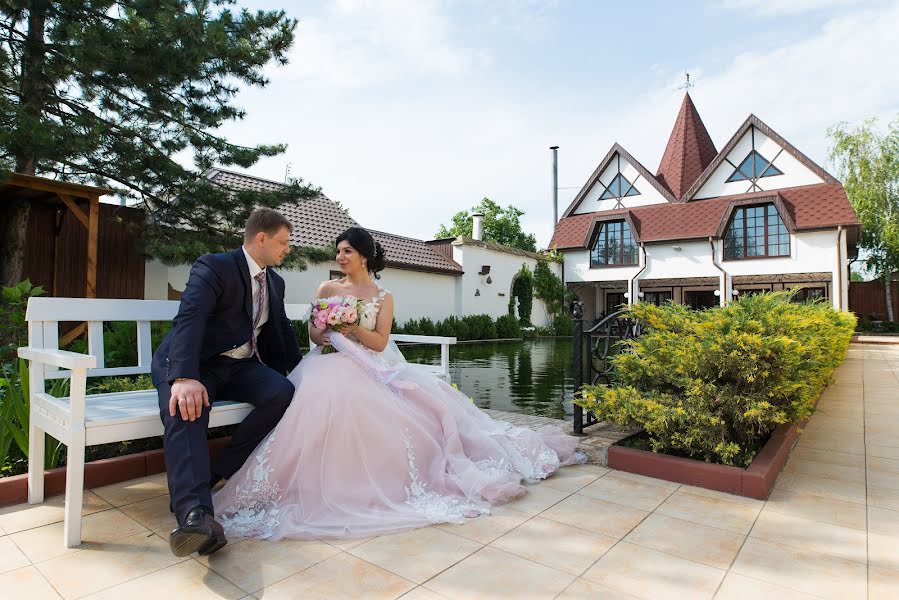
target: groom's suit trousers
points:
(186, 452)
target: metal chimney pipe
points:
(555, 150)
(477, 226)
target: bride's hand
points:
(349, 328)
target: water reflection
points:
(532, 377)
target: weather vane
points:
(687, 85)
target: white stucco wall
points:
(577, 269)
(494, 297)
(417, 294)
(794, 172)
(648, 194)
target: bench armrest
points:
(422, 339)
(58, 358)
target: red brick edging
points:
(14, 490)
(755, 481)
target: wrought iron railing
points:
(603, 342)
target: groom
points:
(231, 340)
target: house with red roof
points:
(708, 225)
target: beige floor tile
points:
(153, 513)
(883, 497)
(11, 557)
(883, 477)
(346, 544)
(188, 579)
(43, 543)
(651, 574)
(817, 536)
(886, 465)
(699, 543)
(842, 459)
(340, 577)
(827, 470)
(850, 444)
(255, 564)
(422, 593)
(818, 508)
(882, 438)
(849, 491)
(569, 480)
(594, 469)
(97, 568)
(723, 496)
(492, 573)
(26, 582)
(803, 570)
(883, 584)
(487, 528)
(627, 492)
(669, 485)
(598, 516)
(582, 589)
(26, 516)
(135, 490)
(416, 555)
(537, 499)
(883, 451)
(883, 538)
(709, 511)
(563, 547)
(738, 587)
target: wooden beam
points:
(76, 210)
(92, 234)
(70, 336)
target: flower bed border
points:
(97, 473)
(755, 481)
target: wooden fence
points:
(56, 257)
(867, 299)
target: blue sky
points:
(407, 111)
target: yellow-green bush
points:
(713, 384)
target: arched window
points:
(756, 232)
(614, 245)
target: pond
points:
(531, 377)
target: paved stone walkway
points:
(829, 530)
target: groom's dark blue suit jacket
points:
(216, 315)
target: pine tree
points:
(112, 92)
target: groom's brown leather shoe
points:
(199, 533)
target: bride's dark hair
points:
(363, 242)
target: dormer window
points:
(754, 166)
(756, 232)
(614, 245)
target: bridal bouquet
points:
(335, 313)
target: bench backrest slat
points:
(95, 344)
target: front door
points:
(702, 299)
(614, 300)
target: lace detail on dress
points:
(255, 512)
(431, 505)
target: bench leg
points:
(74, 490)
(36, 445)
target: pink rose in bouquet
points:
(335, 313)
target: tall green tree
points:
(501, 225)
(111, 92)
(868, 163)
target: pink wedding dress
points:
(371, 444)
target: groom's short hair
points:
(265, 220)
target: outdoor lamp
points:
(627, 294)
(736, 292)
(640, 294)
(718, 293)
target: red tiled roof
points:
(810, 207)
(318, 221)
(689, 151)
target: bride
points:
(370, 445)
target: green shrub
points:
(713, 384)
(395, 327)
(411, 327)
(562, 325)
(426, 326)
(448, 326)
(523, 291)
(508, 326)
(480, 327)
(301, 329)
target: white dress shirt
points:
(246, 351)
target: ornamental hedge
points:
(714, 384)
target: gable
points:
(756, 160)
(619, 182)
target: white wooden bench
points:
(82, 420)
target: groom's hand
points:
(189, 397)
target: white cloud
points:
(771, 8)
(405, 126)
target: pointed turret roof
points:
(689, 151)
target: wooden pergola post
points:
(93, 227)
